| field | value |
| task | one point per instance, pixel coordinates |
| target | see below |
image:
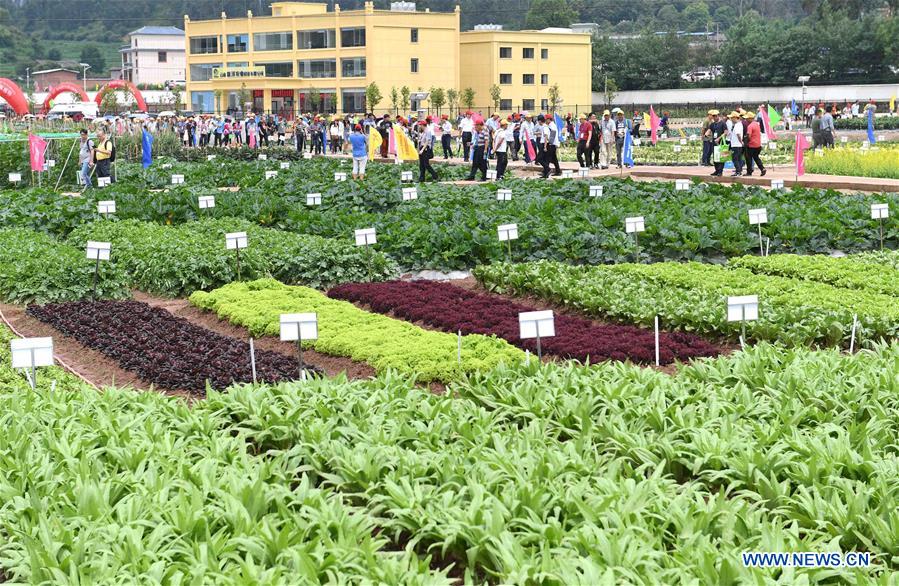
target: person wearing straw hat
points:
(595, 140)
(735, 138)
(501, 148)
(425, 151)
(753, 144)
(606, 137)
(621, 130)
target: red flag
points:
(38, 148)
(654, 123)
(801, 145)
(528, 145)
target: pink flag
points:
(769, 130)
(391, 145)
(801, 145)
(252, 138)
(38, 148)
(654, 125)
(528, 145)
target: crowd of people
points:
(740, 135)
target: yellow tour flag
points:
(892, 103)
(405, 148)
(374, 143)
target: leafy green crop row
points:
(178, 260)
(861, 272)
(345, 330)
(34, 267)
(692, 297)
(611, 475)
(450, 227)
(138, 488)
(552, 475)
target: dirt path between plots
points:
(93, 366)
(331, 365)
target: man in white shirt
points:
(607, 140)
(735, 138)
(466, 127)
(527, 135)
(501, 148)
(553, 141)
(446, 136)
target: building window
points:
(316, 39)
(527, 53)
(505, 78)
(238, 43)
(282, 69)
(204, 45)
(544, 104)
(544, 53)
(527, 104)
(162, 57)
(414, 35)
(544, 78)
(505, 105)
(353, 100)
(272, 41)
(505, 52)
(527, 79)
(318, 68)
(353, 67)
(202, 101)
(352, 37)
(202, 71)
(414, 65)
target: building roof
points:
(157, 30)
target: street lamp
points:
(85, 67)
(803, 79)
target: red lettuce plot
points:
(451, 308)
(162, 349)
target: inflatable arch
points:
(64, 87)
(10, 92)
(118, 84)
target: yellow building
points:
(277, 62)
(525, 65)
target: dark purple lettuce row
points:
(163, 349)
(450, 308)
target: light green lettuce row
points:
(346, 330)
(126, 487)
(693, 297)
(864, 272)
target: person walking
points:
(425, 151)
(478, 151)
(541, 134)
(446, 137)
(553, 141)
(753, 145)
(708, 144)
(817, 135)
(86, 158)
(103, 154)
(359, 144)
(515, 129)
(621, 131)
(595, 140)
(384, 130)
(584, 137)
(528, 132)
(501, 148)
(466, 127)
(736, 143)
(828, 129)
(718, 133)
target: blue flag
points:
(871, 126)
(325, 132)
(560, 124)
(627, 153)
(147, 144)
(793, 107)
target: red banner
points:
(38, 148)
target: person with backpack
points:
(104, 154)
